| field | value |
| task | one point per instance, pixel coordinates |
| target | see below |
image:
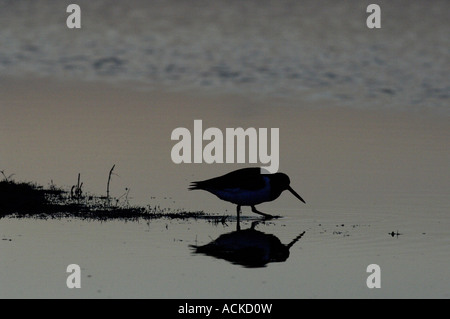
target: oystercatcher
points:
(247, 187)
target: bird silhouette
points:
(247, 187)
(248, 248)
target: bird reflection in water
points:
(249, 247)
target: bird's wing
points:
(245, 179)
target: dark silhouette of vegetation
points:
(24, 197)
(22, 200)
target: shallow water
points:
(364, 131)
(363, 176)
(154, 260)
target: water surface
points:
(141, 260)
(364, 131)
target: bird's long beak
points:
(295, 194)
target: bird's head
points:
(281, 182)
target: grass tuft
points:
(22, 200)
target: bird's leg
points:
(267, 216)
(238, 225)
(254, 224)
